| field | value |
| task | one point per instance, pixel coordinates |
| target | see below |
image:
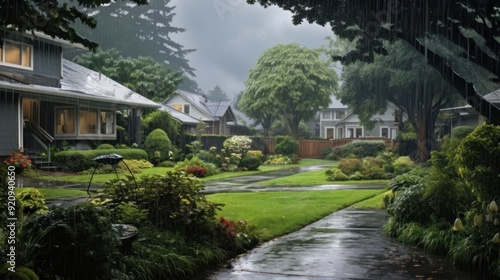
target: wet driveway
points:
(348, 244)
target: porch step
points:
(42, 163)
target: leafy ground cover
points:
(279, 213)
(317, 177)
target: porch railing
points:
(40, 135)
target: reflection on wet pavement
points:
(345, 245)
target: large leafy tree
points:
(142, 75)
(290, 82)
(403, 78)
(52, 17)
(474, 26)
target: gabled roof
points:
(335, 103)
(180, 116)
(208, 107)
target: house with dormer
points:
(217, 116)
(45, 99)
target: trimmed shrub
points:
(250, 162)
(157, 142)
(161, 120)
(237, 144)
(194, 161)
(197, 171)
(256, 153)
(286, 145)
(71, 243)
(335, 174)
(76, 160)
(166, 163)
(350, 165)
(277, 160)
(364, 148)
(105, 147)
(460, 132)
(357, 176)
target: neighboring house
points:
(188, 123)
(218, 116)
(45, 98)
(337, 122)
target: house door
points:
(31, 110)
(330, 133)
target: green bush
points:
(373, 168)
(157, 142)
(324, 152)
(105, 147)
(71, 243)
(357, 176)
(166, 163)
(478, 157)
(460, 132)
(335, 174)
(173, 201)
(76, 160)
(286, 145)
(402, 165)
(364, 148)
(410, 206)
(32, 201)
(277, 160)
(195, 161)
(350, 165)
(250, 163)
(161, 120)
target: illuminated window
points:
(177, 107)
(65, 120)
(88, 121)
(16, 54)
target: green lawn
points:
(279, 213)
(317, 177)
(52, 193)
(102, 178)
(376, 202)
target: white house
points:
(337, 122)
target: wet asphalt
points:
(347, 244)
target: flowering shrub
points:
(278, 160)
(19, 160)
(197, 171)
(237, 144)
(229, 226)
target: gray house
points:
(337, 122)
(217, 116)
(45, 98)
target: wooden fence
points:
(311, 148)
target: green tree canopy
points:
(289, 81)
(403, 78)
(473, 26)
(52, 17)
(142, 75)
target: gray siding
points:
(9, 125)
(47, 59)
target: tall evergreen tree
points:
(217, 94)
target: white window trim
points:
(322, 114)
(354, 127)
(343, 132)
(388, 131)
(326, 132)
(2, 62)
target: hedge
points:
(79, 160)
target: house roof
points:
(335, 103)
(180, 116)
(82, 83)
(493, 97)
(208, 107)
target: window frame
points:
(22, 48)
(75, 124)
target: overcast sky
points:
(230, 35)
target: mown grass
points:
(279, 213)
(53, 193)
(102, 178)
(376, 202)
(317, 177)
